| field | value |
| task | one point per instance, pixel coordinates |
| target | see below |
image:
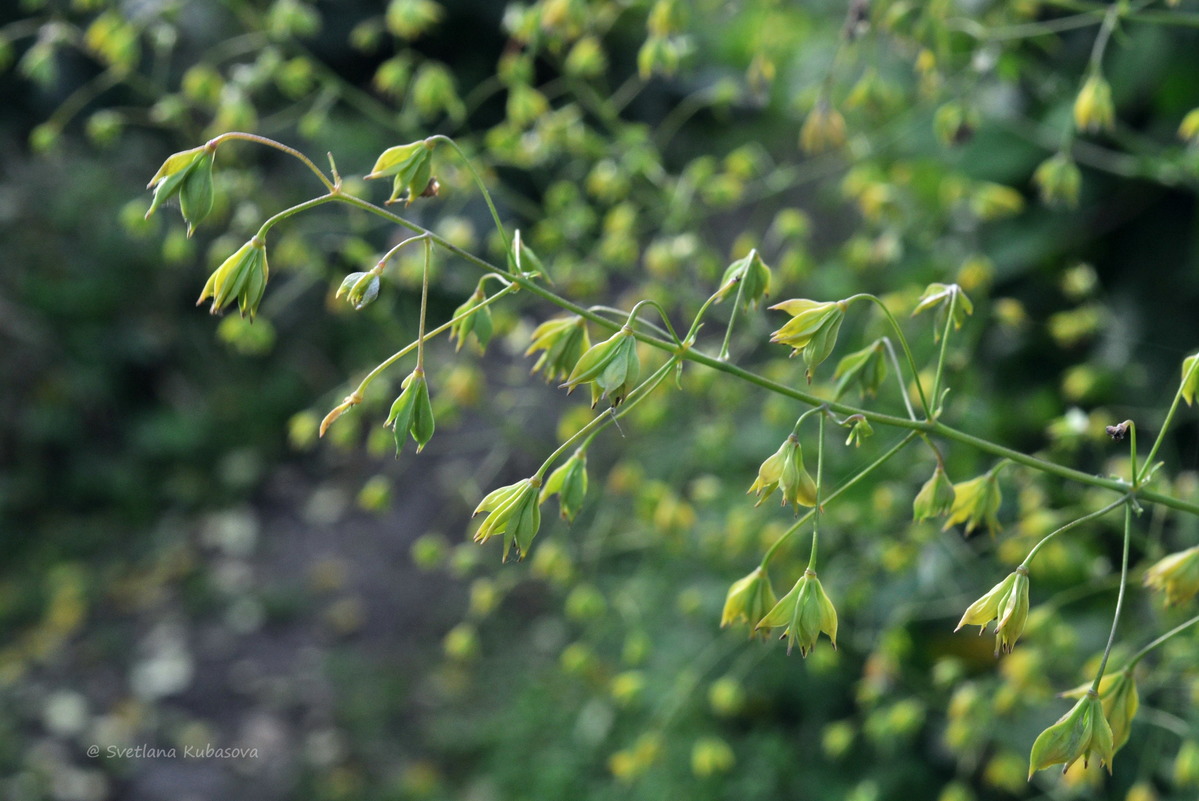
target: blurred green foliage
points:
(640, 147)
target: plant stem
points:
(953, 299)
(816, 510)
(903, 391)
(495, 215)
(1111, 639)
(903, 341)
(296, 209)
(661, 313)
(1161, 434)
(1073, 524)
(728, 331)
(291, 151)
(1141, 654)
(424, 305)
(877, 463)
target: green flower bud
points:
(823, 130)
(711, 755)
(785, 470)
(859, 430)
(753, 272)
(1007, 605)
(935, 498)
(1118, 693)
(1077, 733)
(811, 330)
(1177, 575)
(866, 367)
(187, 174)
(514, 512)
(806, 612)
(937, 296)
(1093, 110)
(360, 289)
(611, 367)
(749, 600)
(569, 482)
(412, 167)
(1190, 378)
(976, 502)
(1188, 129)
(242, 276)
(477, 322)
(1058, 179)
(412, 412)
(563, 340)
(1186, 764)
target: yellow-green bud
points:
(866, 367)
(749, 599)
(805, 611)
(1059, 180)
(976, 502)
(412, 166)
(610, 366)
(750, 271)
(1093, 110)
(360, 289)
(512, 511)
(242, 276)
(812, 329)
(412, 413)
(935, 498)
(569, 482)
(564, 340)
(823, 130)
(1077, 733)
(187, 174)
(1177, 575)
(1007, 605)
(1190, 378)
(476, 321)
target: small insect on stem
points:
(1119, 431)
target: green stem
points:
(1111, 638)
(1141, 654)
(1161, 434)
(291, 151)
(495, 215)
(602, 420)
(816, 510)
(903, 341)
(953, 299)
(693, 331)
(925, 426)
(296, 209)
(1073, 524)
(1094, 65)
(728, 331)
(661, 313)
(395, 357)
(424, 305)
(1132, 451)
(903, 391)
(877, 463)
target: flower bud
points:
(937, 296)
(806, 612)
(569, 481)
(1093, 110)
(867, 368)
(749, 599)
(242, 276)
(1177, 575)
(1188, 130)
(514, 512)
(976, 502)
(1118, 694)
(1190, 379)
(859, 430)
(187, 174)
(1186, 764)
(811, 330)
(611, 367)
(477, 322)
(359, 289)
(412, 412)
(1076, 734)
(785, 470)
(751, 271)
(823, 130)
(563, 340)
(711, 755)
(1058, 179)
(1007, 605)
(935, 498)
(412, 166)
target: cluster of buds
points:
(412, 412)
(513, 511)
(805, 611)
(785, 471)
(1007, 605)
(1078, 733)
(611, 367)
(188, 175)
(412, 166)
(812, 329)
(563, 341)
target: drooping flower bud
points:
(1118, 694)
(477, 320)
(860, 430)
(563, 340)
(1188, 129)
(785, 470)
(412, 166)
(569, 482)
(1093, 110)
(1176, 575)
(1059, 180)
(749, 599)
(359, 289)
(976, 502)
(1077, 733)
(806, 611)
(823, 130)
(412, 412)
(187, 174)
(514, 512)
(611, 367)
(866, 367)
(1007, 605)
(752, 272)
(1190, 379)
(937, 296)
(935, 498)
(242, 276)
(812, 329)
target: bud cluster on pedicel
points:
(1099, 723)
